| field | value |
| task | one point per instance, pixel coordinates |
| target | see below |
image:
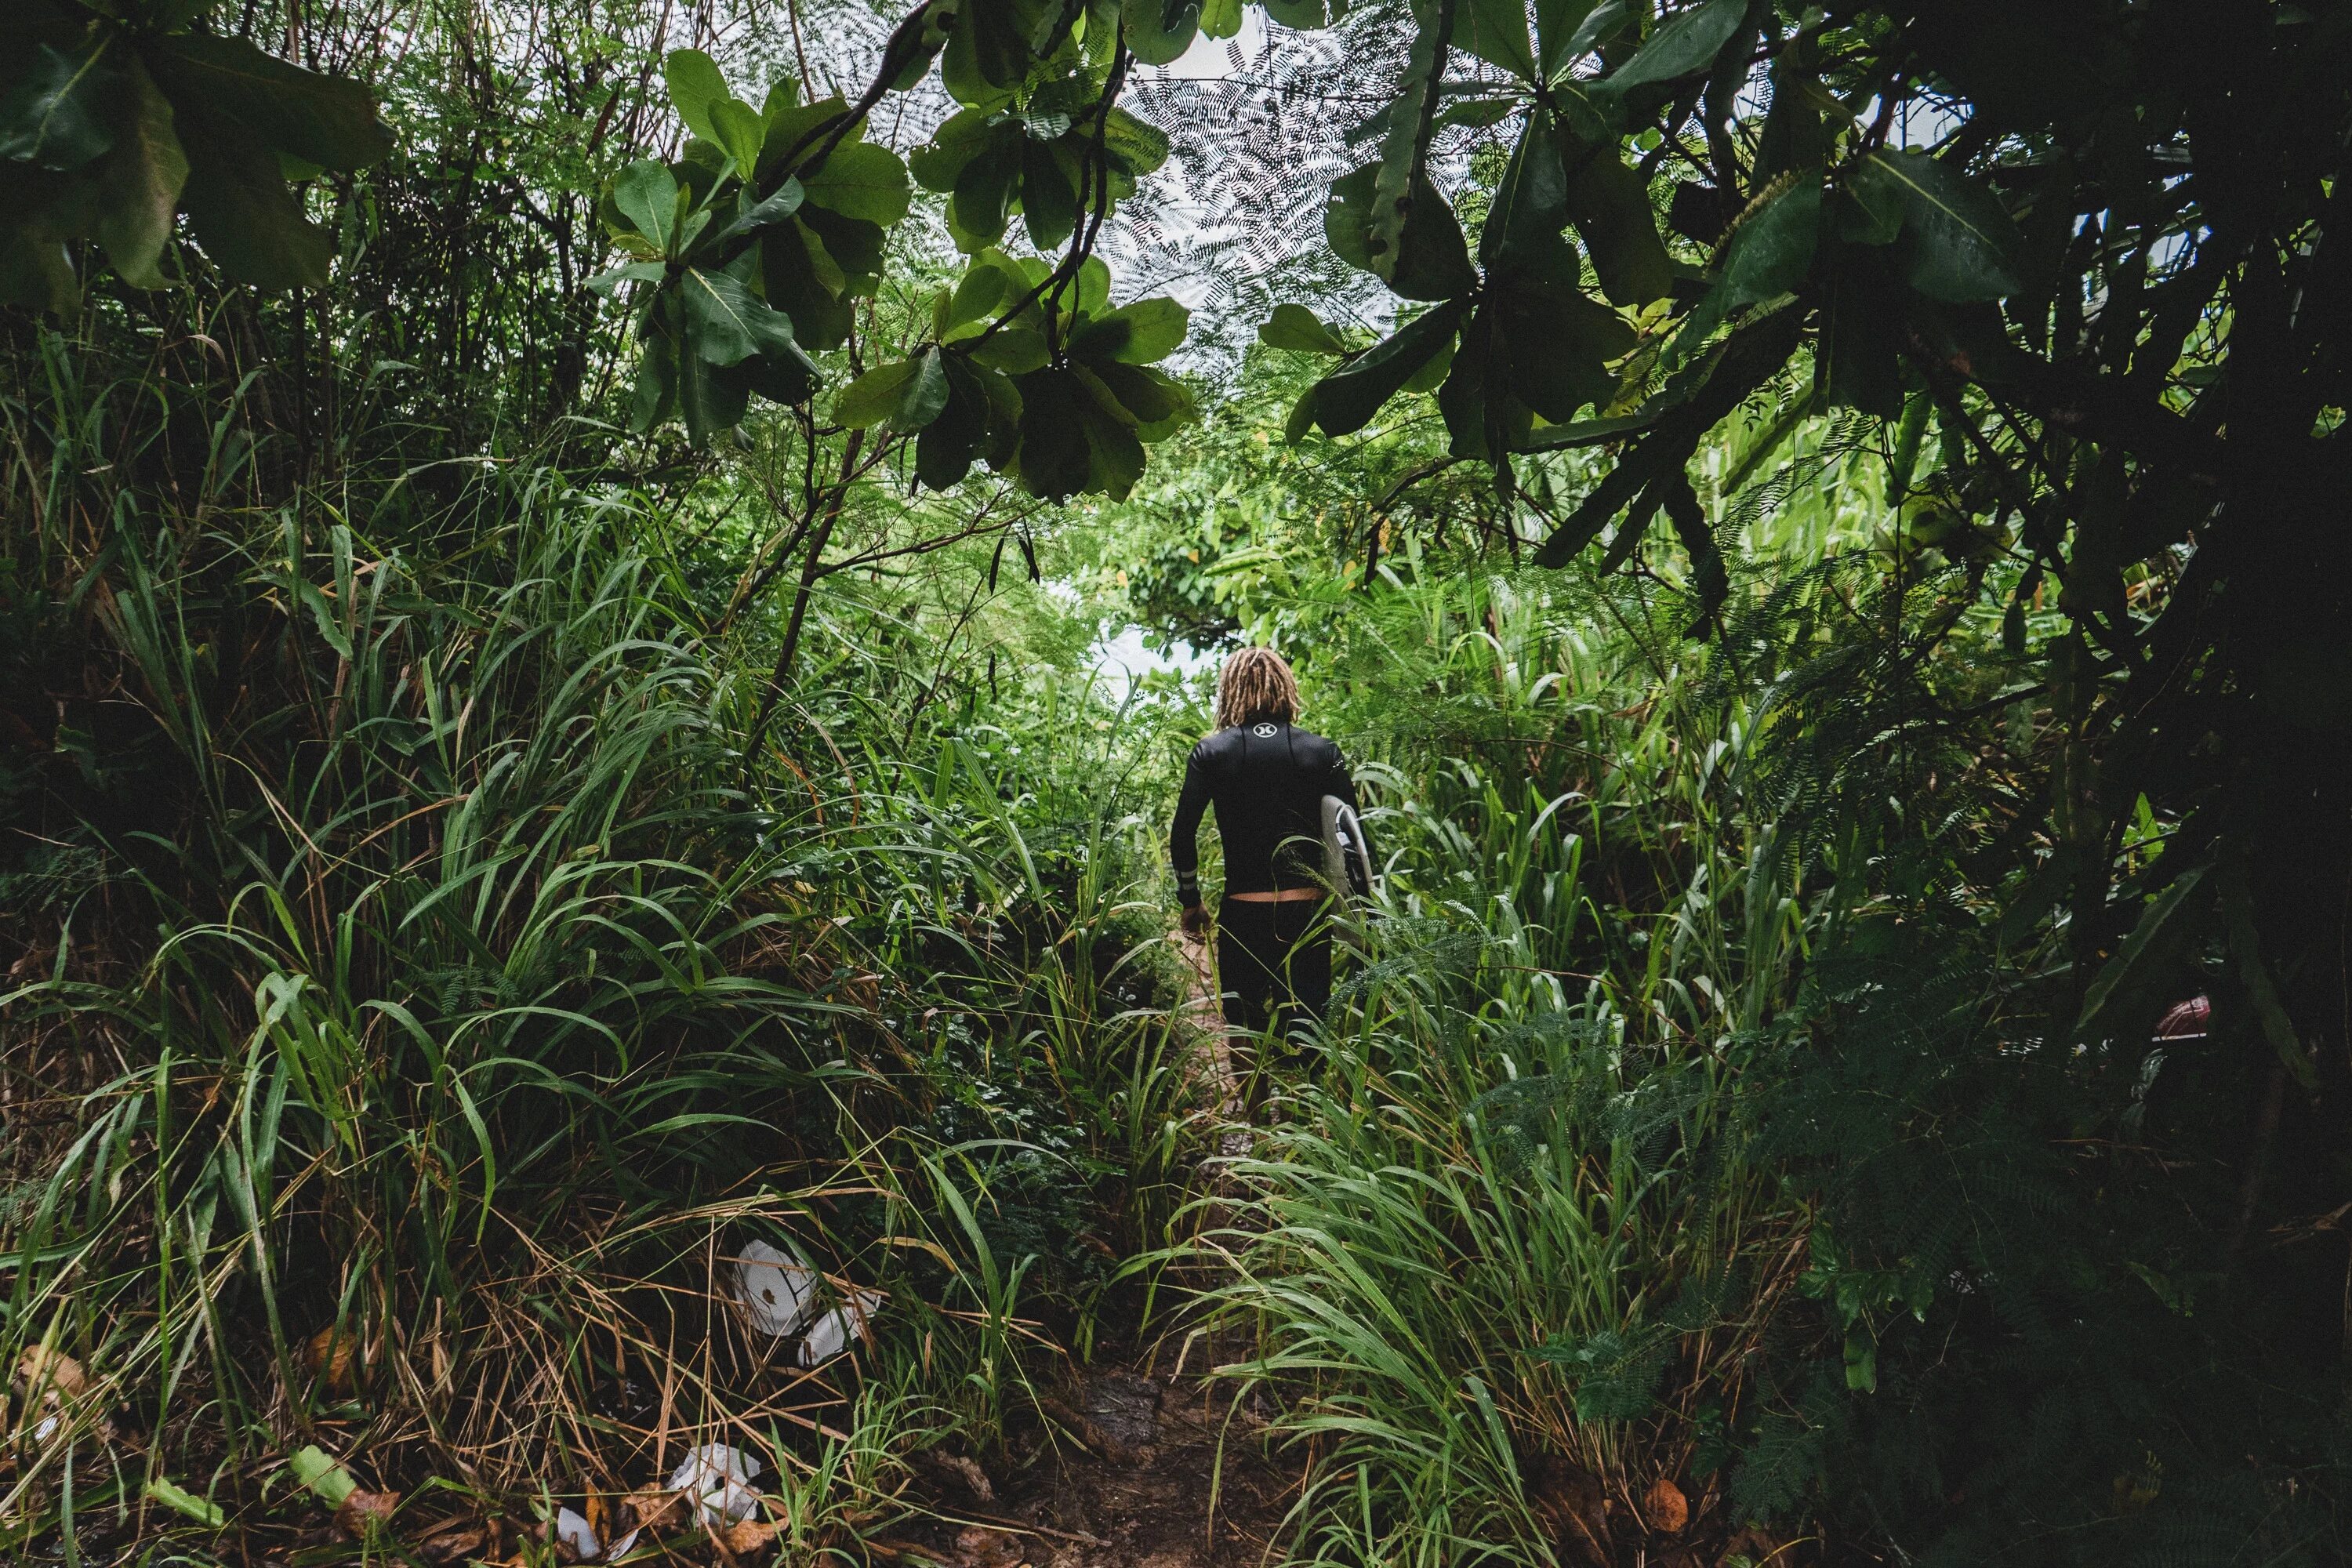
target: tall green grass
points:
(1511, 1232)
(427, 998)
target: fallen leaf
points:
(1572, 1502)
(976, 1546)
(362, 1513)
(654, 1507)
(51, 1374)
(451, 1540)
(974, 1478)
(748, 1538)
(1668, 1509)
(333, 1357)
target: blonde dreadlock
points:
(1255, 684)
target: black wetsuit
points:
(1267, 780)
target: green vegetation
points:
(557, 562)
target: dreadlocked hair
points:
(1255, 683)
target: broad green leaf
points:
(801, 280)
(694, 85)
(1159, 31)
(712, 397)
(1960, 244)
(243, 215)
(778, 206)
(609, 283)
(1435, 262)
(1345, 400)
(1685, 46)
(1771, 250)
(1015, 351)
(961, 138)
(316, 1470)
(736, 127)
(1530, 206)
(730, 322)
(795, 130)
(1597, 24)
(1137, 149)
(983, 201)
(1398, 179)
(1870, 205)
(140, 183)
(1610, 205)
(924, 395)
(1221, 18)
(876, 396)
(1158, 401)
(1090, 294)
(854, 246)
(1496, 32)
(1556, 24)
(976, 294)
(328, 120)
(1115, 457)
(1557, 342)
(1049, 205)
(646, 193)
(1477, 113)
(1140, 333)
(1298, 328)
(1055, 460)
(861, 181)
(60, 115)
(1306, 15)
(655, 397)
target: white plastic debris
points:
(577, 1536)
(834, 1331)
(718, 1477)
(778, 1292)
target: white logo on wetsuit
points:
(1263, 731)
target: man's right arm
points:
(1184, 835)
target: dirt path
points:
(1149, 1464)
(1147, 1469)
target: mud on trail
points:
(1142, 1471)
(1149, 1464)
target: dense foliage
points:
(551, 633)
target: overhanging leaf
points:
(646, 193)
(1398, 177)
(1960, 242)
(1297, 328)
(331, 121)
(140, 183)
(694, 85)
(1496, 32)
(1685, 46)
(1345, 401)
(57, 116)
(1139, 333)
(1772, 250)
(861, 181)
(1160, 31)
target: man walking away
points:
(1268, 779)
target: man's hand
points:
(1195, 921)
